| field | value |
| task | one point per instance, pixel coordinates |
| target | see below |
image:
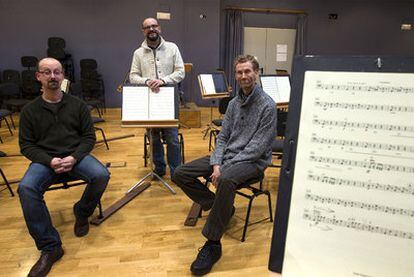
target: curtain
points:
(300, 48)
(233, 43)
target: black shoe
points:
(44, 264)
(207, 256)
(81, 227)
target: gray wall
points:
(109, 31)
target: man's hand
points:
(215, 175)
(68, 163)
(56, 165)
(154, 84)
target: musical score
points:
(354, 169)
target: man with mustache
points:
(156, 63)
(56, 134)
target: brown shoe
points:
(81, 227)
(44, 264)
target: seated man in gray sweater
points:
(243, 151)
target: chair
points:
(11, 76)
(30, 85)
(216, 123)
(277, 144)
(97, 120)
(92, 83)
(67, 181)
(11, 97)
(6, 182)
(56, 49)
(3, 116)
(29, 61)
(146, 145)
(196, 211)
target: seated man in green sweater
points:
(242, 152)
(56, 134)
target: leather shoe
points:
(44, 264)
(81, 227)
(207, 256)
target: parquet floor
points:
(147, 236)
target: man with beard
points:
(56, 134)
(242, 153)
(156, 63)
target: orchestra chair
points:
(216, 123)
(147, 145)
(67, 181)
(98, 120)
(6, 182)
(4, 113)
(251, 194)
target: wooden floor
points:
(146, 237)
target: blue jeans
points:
(170, 135)
(38, 178)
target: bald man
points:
(156, 63)
(56, 134)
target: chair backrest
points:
(29, 61)
(57, 53)
(9, 90)
(30, 85)
(56, 43)
(76, 89)
(223, 104)
(88, 64)
(281, 122)
(11, 76)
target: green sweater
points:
(45, 134)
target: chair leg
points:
(145, 149)
(12, 122)
(181, 138)
(103, 136)
(100, 209)
(246, 222)
(8, 126)
(270, 204)
(6, 182)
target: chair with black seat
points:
(3, 117)
(92, 83)
(164, 143)
(56, 48)
(30, 85)
(196, 211)
(67, 181)
(277, 144)
(6, 182)
(30, 62)
(216, 123)
(11, 97)
(11, 76)
(98, 120)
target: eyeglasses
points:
(48, 73)
(153, 26)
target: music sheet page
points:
(161, 104)
(134, 103)
(283, 87)
(352, 207)
(208, 83)
(269, 85)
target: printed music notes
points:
(352, 206)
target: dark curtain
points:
(233, 43)
(300, 47)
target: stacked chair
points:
(57, 50)
(30, 86)
(93, 88)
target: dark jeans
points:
(221, 203)
(38, 178)
(170, 135)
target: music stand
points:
(213, 86)
(135, 116)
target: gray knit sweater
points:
(248, 129)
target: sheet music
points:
(135, 103)
(352, 207)
(161, 104)
(278, 87)
(207, 82)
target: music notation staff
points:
(362, 88)
(406, 189)
(363, 144)
(358, 204)
(359, 226)
(359, 106)
(362, 125)
(371, 165)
